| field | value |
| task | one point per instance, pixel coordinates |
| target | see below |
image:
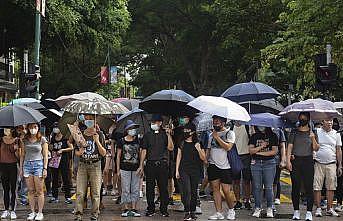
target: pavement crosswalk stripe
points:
(286, 180)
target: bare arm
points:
(101, 149)
(143, 155)
(272, 152)
(339, 156)
(283, 152)
(170, 142)
(22, 155)
(315, 145)
(178, 160)
(201, 152)
(253, 150)
(118, 159)
(45, 150)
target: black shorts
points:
(246, 171)
(215, 173)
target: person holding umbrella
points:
(33, 166)
(155, 147)
(89, 169)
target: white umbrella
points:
(62, 101)
(220, 106)
(339, 105)
(203, 122)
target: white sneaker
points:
(31, 216)
(308, 216)
(277, 202)
(339, 208)
(318, 212)
(296, 215)
(332, 212)
(125, 213)
(270, 213)
(257, 213)
(231, 214)
(39, 217)
(198, 210)
(5, 214)
(13, 215)
(216, 216)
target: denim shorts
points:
(33, 168)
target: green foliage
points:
(111, 91)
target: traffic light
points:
(326, 74)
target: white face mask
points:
(155, 127)
(33, 131)
(56, 130)
(132, 132)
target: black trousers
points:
(64, 170)
(157, 172)
(189, 181)
(339, 190)
(302, 171)
(9, 173)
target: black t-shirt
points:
(59, 145)
(129, 159)
(258, 138)
(91, 151)
(156, 145)
(190, 160)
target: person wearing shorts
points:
(219, 171)
(328, 154)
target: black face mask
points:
(186, 135)
(217, 128)
(303, 123)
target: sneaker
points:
(194, 217)
(277, 202)
(5, 214)
(135, 213)
(247, 205)
(78, 218)
(216, 216)
(238, 205)
(257, 213)
(308, 216)
(13, 215)
(339, 208)
(332, 212)
(49, 194)
(157, 200)
(274, 208)
(165, 214)
(31, 216)
(318, 212)
(150, 213)
(202, 194)
(198, 210)
(68, 201)
(125, 213)
(39, 217)
(270, 213)
(187, 217)
(323, 204)
(231, 214)
(141, 194)
(53, 200)
(296, 215)
(93, 217)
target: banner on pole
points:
(104, 75)
(38, 5)
(43, 8)
(113, 74)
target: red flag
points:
(104, 75)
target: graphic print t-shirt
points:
(258, 139)
(129, 160)
(91, 150)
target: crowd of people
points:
(174, 157)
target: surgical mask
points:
(56, 130)
(132, 132)
(81, 117)
(7, 132)
(183, 121)
(155, 127)
(217, 128)
(261, 128)
(303, 123)
(33, 131)
(89, 123)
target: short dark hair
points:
(222, 119)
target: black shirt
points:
(258, 138)
(156, 145)
(59, 145)
(129, 159)
(190, 160)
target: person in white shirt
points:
(328, 155)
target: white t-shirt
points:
(328, 142)
(242, 139)
(218, 155)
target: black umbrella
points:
(12, 116)
(168, 102)
(264, 106)
(139, 117)
(130, 104)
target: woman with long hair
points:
(33, 166)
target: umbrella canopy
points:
(119, 99)
(25, 100)
(319, 109)
(263, 106)
(251, 91)
(52, 116)
(266, 120)
(15, 115)
(203, 122)
(130, 104)
(168, 102)
(33, 105)
(50, 104)
(139, 117)
(64, 100)
(95, 106)
(339, 105)
(221, 107)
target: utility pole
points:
(37, 45)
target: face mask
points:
(132, 132)
(262, 129)
(81, 117)
(186, 135)
(183, 121)
(303, 123)
(89, 123)
(217, 128)
(7, 132)
(33, 131)
(155, 127)
(56, 130)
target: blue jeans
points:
(263, 172)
